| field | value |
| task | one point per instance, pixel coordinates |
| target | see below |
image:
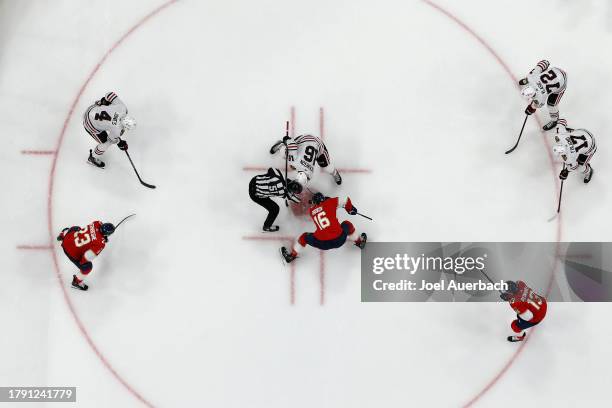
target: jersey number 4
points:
(102, 116)
(321, 220)
(575, 139)
(81, 238)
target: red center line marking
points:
(322, 277)
(38, 152)
(322, 253)
(292, 122)
(35, 247)
(292, 128)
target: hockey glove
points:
(285, 138)
(582, 158)
(60, 237)
(564, 173)
(530, 110)
(523, 82)
(352, 211)
(122, 145)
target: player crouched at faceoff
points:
(304, 152)
(544, 84)
(82, 245)
(530, 308)
(576, 147)
(330, 232)
(106, 121)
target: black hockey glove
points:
(530, 110)
(122, 145)
(352, 211)
(60, 237)
(102, 102)
(285, 138)
(582, 158)
(523, 81)
(564, 173)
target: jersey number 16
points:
(321, 220)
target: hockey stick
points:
(286, 160)
(558, 205)
(365, 216)
(489, 279)
(121, 222)
(519, 138)
(136, 171)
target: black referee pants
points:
(265, 202)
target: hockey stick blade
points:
(147, 184)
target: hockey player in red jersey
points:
(330, 232)
(530, 308)
(82, 245)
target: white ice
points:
(190, 314)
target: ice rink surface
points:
(183, 311)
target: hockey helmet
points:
(128, 122)
(559, 149)
(317, 198)
(294, 187)
(512, 287)
(107, 229)
(528, 92)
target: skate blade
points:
(93, 165)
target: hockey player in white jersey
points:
(106, 121)
(576, 147)
(304, 152)
(544, 85)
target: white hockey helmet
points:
(301, 178)
(128, 122)
(559, 149)
(528, 92)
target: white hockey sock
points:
(553, 111)
(587, 169)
